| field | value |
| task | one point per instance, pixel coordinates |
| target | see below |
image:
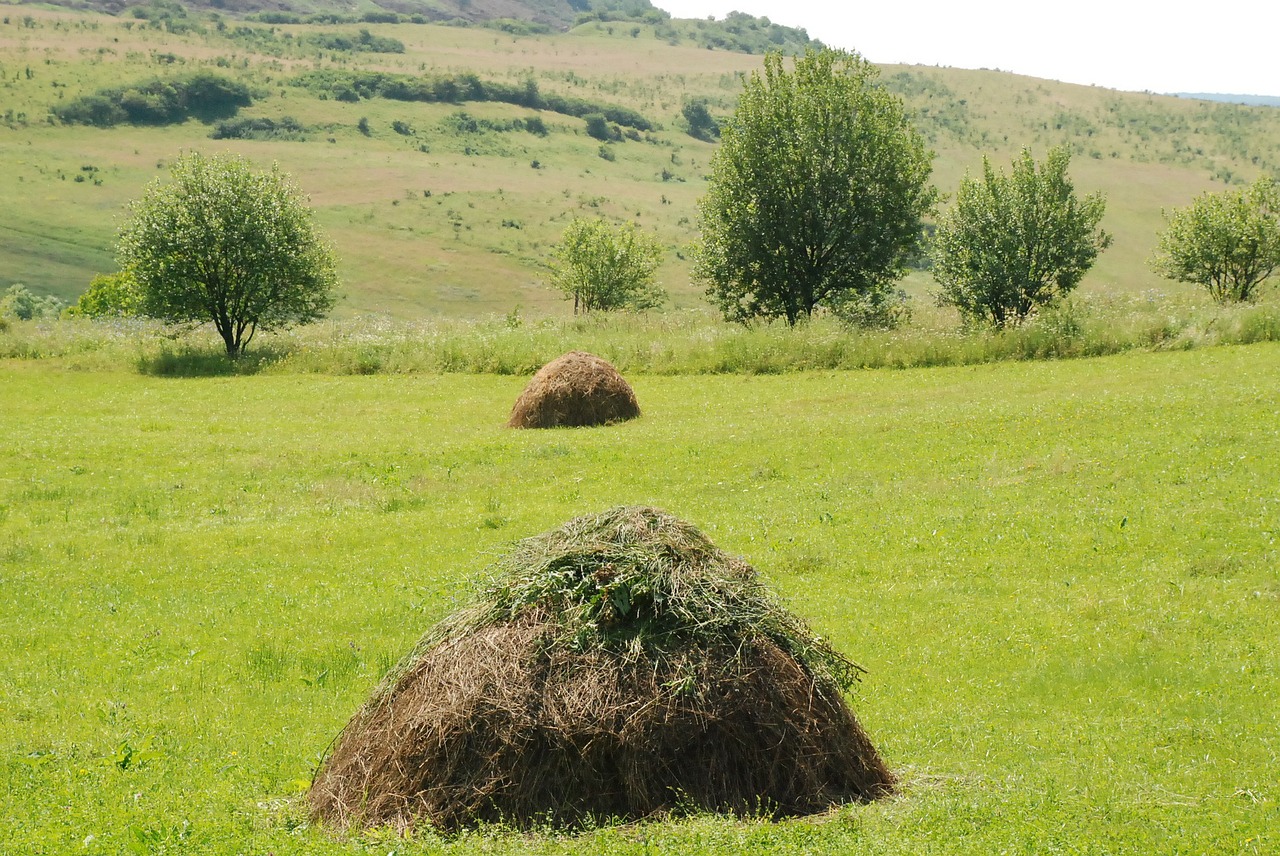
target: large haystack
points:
(577, 389)
(620, 666)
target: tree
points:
(817, 189)
(1228, 242)
(18, 301)
(108, 294)
(603, 267)
(1013, 243)
(701, 124)
(226, 244)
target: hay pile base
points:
(619, 667)
(575, 390)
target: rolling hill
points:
(444, 160)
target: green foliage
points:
(690, 342)
(462, 122)
(363, 41)
(886, 309)
(109, 294)
(259, 128)
(222, 243)
(701, 124)
(456, 88)
(17, 301)
(168, 15)
(599, 128)
(1011, 244)
(204, 95)
(1228, 242)
(739, 32)
(604, 267)
(818, 188)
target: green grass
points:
(671, 343)
(1061, 576)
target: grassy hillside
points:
(449, 208)
(1063, 587)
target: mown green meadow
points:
(1061, 577)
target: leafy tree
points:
(1228, 242)
(604, 267)
(1013, 243)
(18, 301)
(109, 294)
(226, 244)
(701, 124)
(598, 126)
(817, 189)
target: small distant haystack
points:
(620, 667)
(577, 389)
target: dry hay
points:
(574, 390)
(618, 667)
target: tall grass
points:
(676, 343)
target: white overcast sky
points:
(1173, 46)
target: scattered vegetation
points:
(259, 128)
(363, 41)
(668, 343)
(456, 89)
(737, 31)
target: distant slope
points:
(443, 171)
(1253, 100)
(558, 14)
(737, 31)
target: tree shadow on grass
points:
(196, 361)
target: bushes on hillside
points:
(262, 128)
(203, 95)
(364, 41)
(343, 85)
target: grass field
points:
(1061, 577)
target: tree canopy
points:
(818, 188)
(1014, 242)
(602, 267)
(1228, 242)
(226, 244)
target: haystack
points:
(577, 389)
(618, 667)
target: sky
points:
(1229, 46)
